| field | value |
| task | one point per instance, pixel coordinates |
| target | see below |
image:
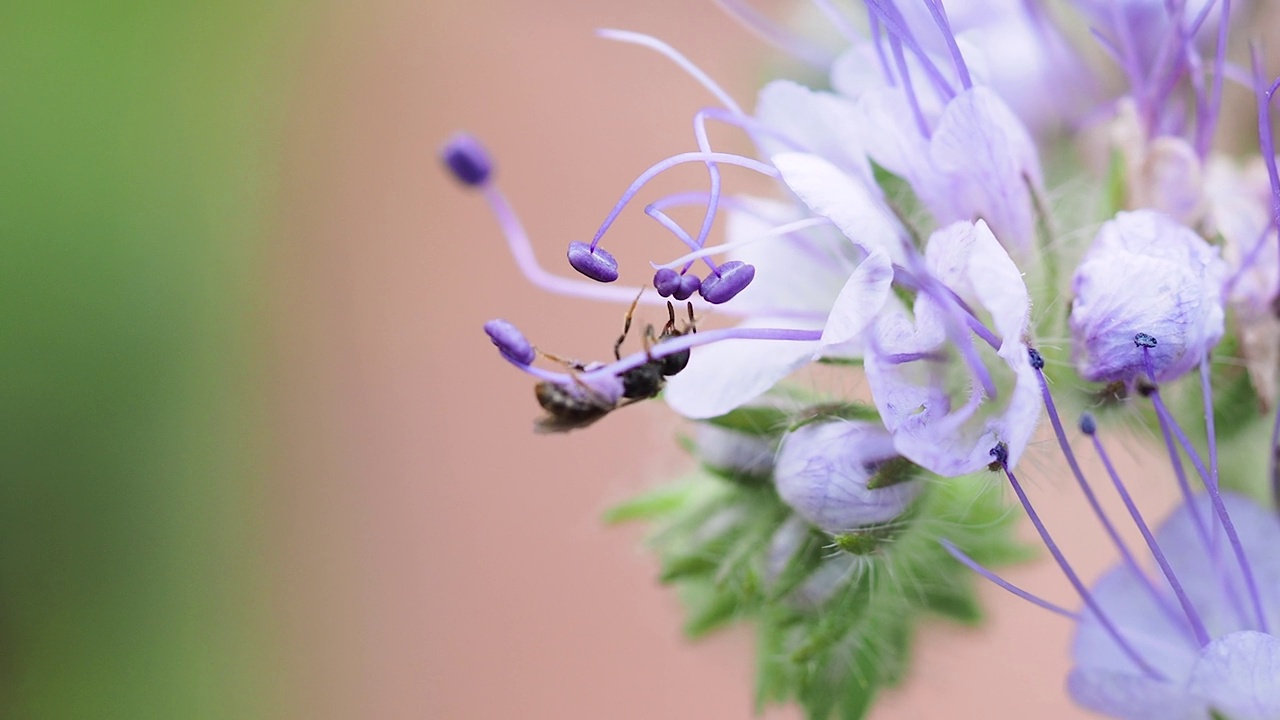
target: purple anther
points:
(1088, 425)
(732, 277)
(510, 341)
(467, 159)
(667, 281)
(689, 284)
(596, 264)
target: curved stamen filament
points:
(675, 56)
(773, 233)
(522, 251)
(973, 565)
(897, 27)
(673, 161)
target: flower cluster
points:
(911, 247)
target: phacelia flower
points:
(943, 410)
(1145, 274)
(843, 475)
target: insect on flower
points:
(578, 405)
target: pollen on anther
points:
(1037, 360)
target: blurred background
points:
(258, 460)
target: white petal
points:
(831, 193)
(860, 300)
(820, 123)
(725, 375)
(1132, 697)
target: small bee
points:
(577, 406)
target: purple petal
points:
(1239, 676)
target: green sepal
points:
(709, 609)
(1116, 192)
(755, 420)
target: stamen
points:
(1088, 427)
(897, 27)
(730, 279)
(1126, 555)
(1215, 496)
(973, 565)
(692, 340)
(522, 251)
(510, 342)
(1001, 454)
(776, 35)
(1206, 129)
(895, 46)
(940, 17)
(467, 160)
(877, 38)
(673, 161)
(675, 56)
(594, 262)
(666, 281)
(777, 232)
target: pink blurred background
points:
(436, 559)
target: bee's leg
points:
(571, 364)
(626, 327)
(669, 329)
(693, 327)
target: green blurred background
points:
(135, 140)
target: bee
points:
(570, 407)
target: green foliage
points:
(833, 629)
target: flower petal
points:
(1132, 697)
(860, 300)
(821, 123)
(724, 375)
(1239, 676)
(833, 194)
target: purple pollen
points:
(1037, 360)
(596, 263)
(511, 342)
(467, 160)
(667, 281)
(689, 284)
(1088, 425)
(732, 277)
(1144, 340)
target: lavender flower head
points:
(1145, 274)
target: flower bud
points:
(844, 475)
(1147, 275)
(733, 452)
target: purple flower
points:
(934, 403)
(1145, 274)
(1237, 674)
(843, 475)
